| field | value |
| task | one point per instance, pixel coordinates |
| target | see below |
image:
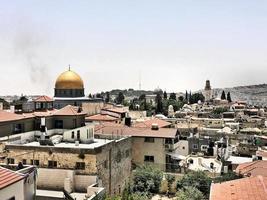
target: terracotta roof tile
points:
(100, 117)
(255, 168)
(148, 123)
(251, 188)
(8, 177)
(119, 129)
(43, 99)
(68, 111)
(8, 116)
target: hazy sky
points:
(175, 45)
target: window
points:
(168, 141)
(149, 139)
(105, 164)
(59, 124)
(87, 133)
(52, 164)
(18, 128)
(127, 153)
(24, 161)
(195, 146)
(72, 134)
(78, 134)
(10, 161)
(35, 162)
(149, 159)
(80, 165)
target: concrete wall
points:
(53, 179)
(92, 108)
(15, 190)
(86, 134)
(6, 128)
(157, 149)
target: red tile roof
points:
(250, 188)
(255, 168)
(8, 177)
(115, 109)
(148, 123)
(118, 129)
(43, 99)
(100, 117)
(8, 116)
(68, 111)
(262, 153)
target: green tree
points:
(229, 99)
(194, 98)
(147, 179)
(120, 98)
(219, 110)
(170, 179)
(181, 98)
(159, 105)
(165, 96)
(223, 95)
(172, 96)
(107, 99)
(189, 193)
(197, 179)
(227, 177)
(186, 96)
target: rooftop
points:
(8, 177)
(100, 117)
(148, 123)
(97, 143)
(255, 168)
(120, 130)
(43, 99)
(251, 188)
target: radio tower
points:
(140, 80)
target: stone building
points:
(108, 160)
(149, 145)
(207, 91)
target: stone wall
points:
(156, 149)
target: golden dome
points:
(69, 80)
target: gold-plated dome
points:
(69, 80)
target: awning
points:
(176, 156)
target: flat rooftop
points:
(97, 143)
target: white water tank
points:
(68, 185)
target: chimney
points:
(154, 127)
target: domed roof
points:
(69, 80)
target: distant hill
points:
(253, 94)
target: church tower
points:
(207, 91)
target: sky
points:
(172, 44)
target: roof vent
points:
(155, 127)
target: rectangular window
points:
(87, 133)
(149, 159)
(80, 165)
(78, 134)
(106, 164)
(149, 139)
(52, 164)
(18, 128)
(59, 124)
(35, 162)
(72, 134)
(127, 153)
(10, 161)
(195, 146)
(24, 161)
